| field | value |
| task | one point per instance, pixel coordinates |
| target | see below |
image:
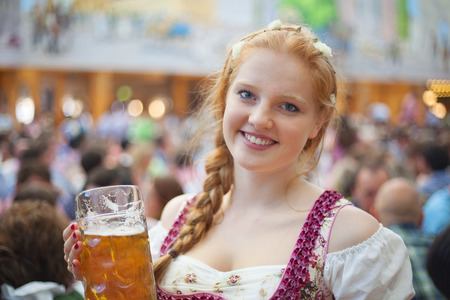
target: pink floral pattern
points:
(303, 276)
(233, 279)
(190, 278)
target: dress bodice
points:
(301, 278)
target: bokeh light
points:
(439, 110)
(124, 93)
(429, 98)
(68, 106)
(117, 106)
(135, 108)
(157, 108)
(78, 108)
(25, 110)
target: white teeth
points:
(257, 141)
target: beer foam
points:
(120, 230)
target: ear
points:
(321, 116)
(315, 131)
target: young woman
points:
(259, 230)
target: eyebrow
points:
(281, 95)
(296, 98)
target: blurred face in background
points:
(366, 187)
(153, 203)
(161, 191)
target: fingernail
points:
(72, 226)
(74, 235)
(76, 246)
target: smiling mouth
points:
(257, 140)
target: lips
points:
(258, 140)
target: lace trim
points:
(376, 237)
(340, 204)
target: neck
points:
(254, 189)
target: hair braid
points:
(219, 170)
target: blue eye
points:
(289, 107)
(246, 95)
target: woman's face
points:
(270, 112)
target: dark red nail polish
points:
(76, 246)
(74, 235)
(72, 226)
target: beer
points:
(116, 264)
(116, 261)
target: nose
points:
(261, 116)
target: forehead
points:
(280, 70)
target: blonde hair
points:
(219, 163)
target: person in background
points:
(189, 174)
(35, 173)
(368, 178)
(103, 176)
(434, 176)
(35, 191)
(259, 229)
(438, 262)
(31, 259)
(437, 212)
(398, 207)
(161, 191)
(140, 155)
(9, 164)
(42, 150)
(91, 158)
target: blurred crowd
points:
(399, 173)
(77, 155)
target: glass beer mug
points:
(116, 261)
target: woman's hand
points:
(72, 249)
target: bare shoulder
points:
(172, 208)
(352, 226)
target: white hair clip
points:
(333, 99)
(322, 47)
(236, 50)
(274, 25)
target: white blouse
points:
(378, 268)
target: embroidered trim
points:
(163, 295)
(296, 274)
(176, 227)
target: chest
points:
(254, 241)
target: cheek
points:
(294, 138)
(232, 120)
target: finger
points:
(70, 242)
(69, 230)
(74, 264)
